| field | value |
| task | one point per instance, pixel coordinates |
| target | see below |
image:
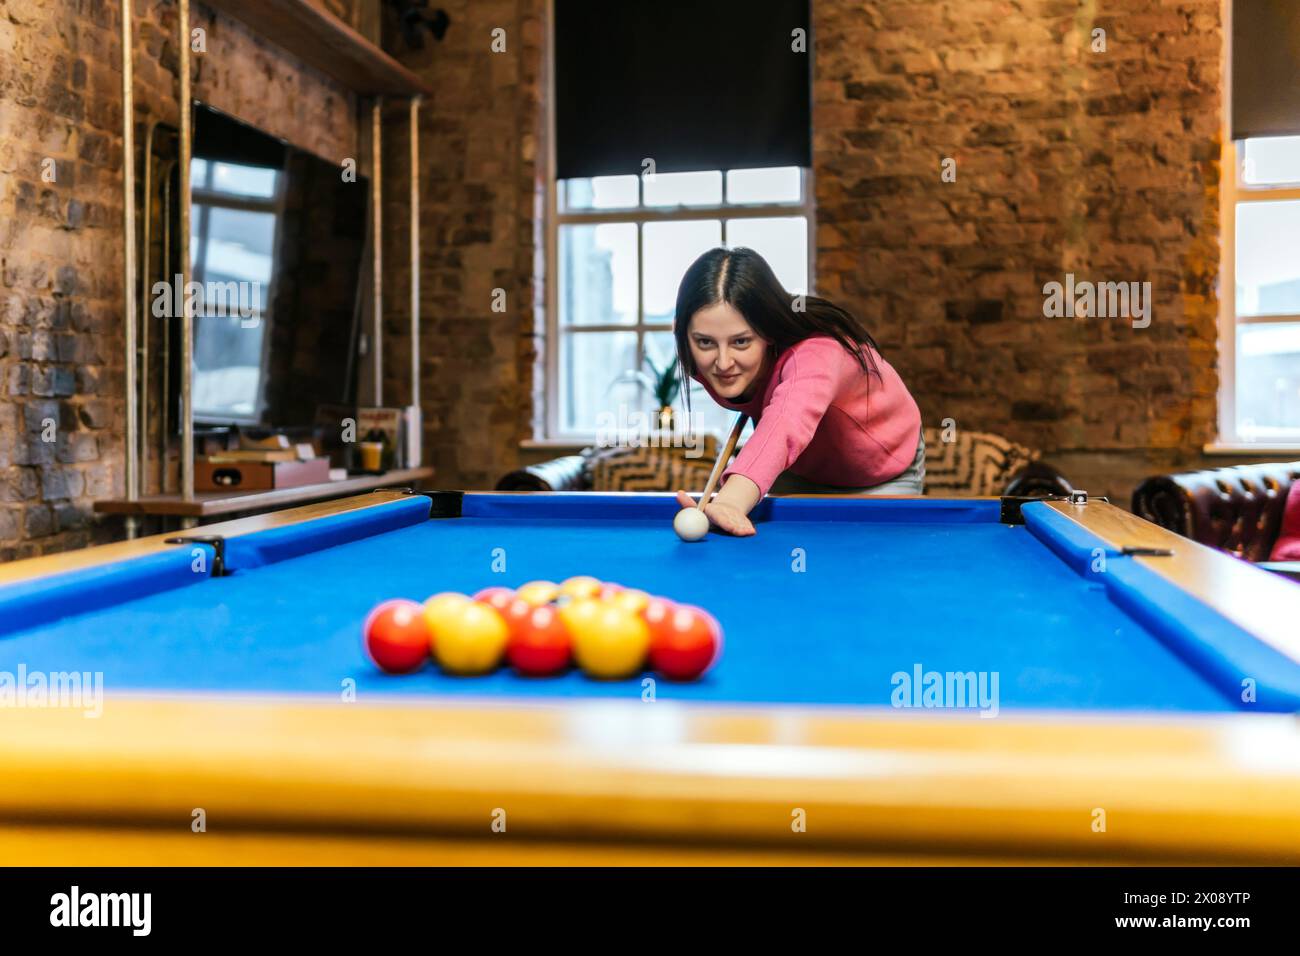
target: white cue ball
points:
(691, 524)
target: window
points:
(1260, 295)
(621, 245)
(233, 221)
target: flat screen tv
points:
(278, 241)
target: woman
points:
(831, 416)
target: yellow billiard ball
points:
(579, 613)
(538, 593)
(609, 641)
(631, 599)
(583, 586)
(471, 639)
(441, 612)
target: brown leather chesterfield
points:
(1237, 509)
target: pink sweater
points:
(819, 415)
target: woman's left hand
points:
(724, 517)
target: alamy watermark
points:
(131, 911)
(76, 690)
(961, 690)
(632, 428)
(241, 300)
(1104, 300)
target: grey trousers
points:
(910, 482)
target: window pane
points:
(237, 245)
(1268, 381)
(1270, 161)
(597, 390)
(1268, 266)
(661, 349)
(598, 275)
(670, 247)
(779, 184)
(684, 189)
(782, 242)
(253, 181)
(227, 366)
(602, 192)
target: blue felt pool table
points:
(972, 612)
(826, 605)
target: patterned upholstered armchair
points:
(971, 464)
(981, 464)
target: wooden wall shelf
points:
(209, 504)
(320, 39)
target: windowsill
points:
(1252, 448)
(556, 444)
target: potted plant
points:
(667, 385)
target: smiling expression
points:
(726, 351)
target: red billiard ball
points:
(656, 611)
(539, 643)
(497, 597)
(684, 640)
(397, 636)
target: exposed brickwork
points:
(61, 363)
(481, 149)
(1100, 164)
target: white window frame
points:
(549, 366)
(1232, 192)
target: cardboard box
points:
(236, 476)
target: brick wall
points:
(481, 152)
(61, 363)
(1100, 164)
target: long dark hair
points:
(742, 278)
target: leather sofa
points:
(1236, 509)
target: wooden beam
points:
(323, 41)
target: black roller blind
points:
(1265, 68)
(704, 84)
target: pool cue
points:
(723, 459)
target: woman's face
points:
(727, 352)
